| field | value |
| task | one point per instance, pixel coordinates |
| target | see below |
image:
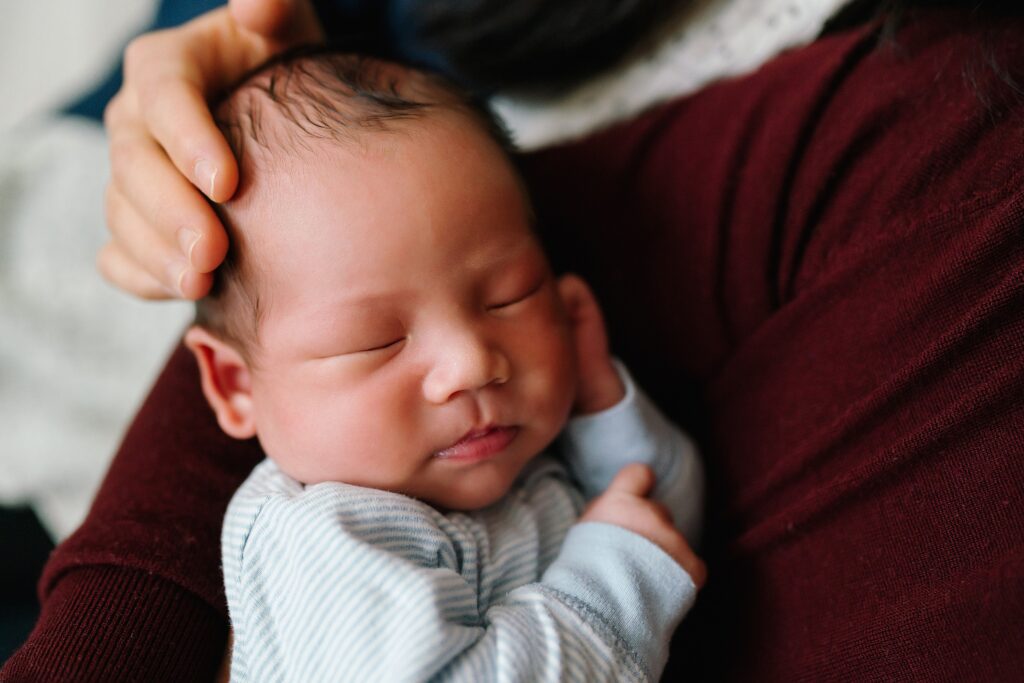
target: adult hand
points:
(624, 504)
(598, 384)
(166, 240)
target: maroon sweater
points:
(818, 268)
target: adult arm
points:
(136, 593)
(335, 582)
(831, 246)
(831, 249)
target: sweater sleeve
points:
(136, 594)
(337, 582)
(830, 248)
(597, 446)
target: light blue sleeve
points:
(340, 583)
(605, 569)
(597, 446)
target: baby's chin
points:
(467, 503)
(473, 493)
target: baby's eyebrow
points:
(368, 298)
(328, 307)
(505, 253)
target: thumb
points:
(283, 21)
(634, 479)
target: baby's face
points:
(412, 337)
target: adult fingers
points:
(174, 214)
(121, 270)
(162, 132)
(162, 135)
(289, 21)
(167, 79)
(137, 256)
(172, 73)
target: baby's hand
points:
(598, 385)
(624, 504)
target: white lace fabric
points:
(707, 41)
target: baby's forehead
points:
(374, 170)
(328, 118)
(429, 140)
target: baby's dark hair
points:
(321, 93)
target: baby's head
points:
(387, 317)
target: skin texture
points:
(494, 339)
(364, 375)
(166, 243)
(166, 152)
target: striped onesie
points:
(344, 583)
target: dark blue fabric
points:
(365, 25)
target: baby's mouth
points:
(479, 444)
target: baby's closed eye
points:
(382, 346)
(511, 301)
(369, 343)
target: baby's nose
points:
(471, 363)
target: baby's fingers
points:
(634, 479)
(680, 551)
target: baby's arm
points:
(598, 446)
(616, 424)
(342, 583)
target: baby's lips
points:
(479, 444)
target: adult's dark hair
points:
(492, 44)
(500, 43)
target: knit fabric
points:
(827, 257)
(334, 582)
(700, 43)
(818, 268)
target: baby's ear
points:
(226, 380)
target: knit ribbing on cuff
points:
(103, 623)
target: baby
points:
(389, 327)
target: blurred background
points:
(52, 51)
(76, 356)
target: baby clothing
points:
(339, 582)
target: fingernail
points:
(176, 274)
(187, 241)
(206, 177)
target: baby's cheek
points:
(554, 385)
(294, 425)
(362, 436)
